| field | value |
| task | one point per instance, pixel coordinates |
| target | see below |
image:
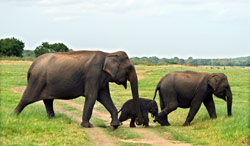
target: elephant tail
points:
(156, 89)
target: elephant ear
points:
(214, 80)
(111, 65)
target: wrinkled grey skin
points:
(146, 106)
(79, 73)
(191, 89)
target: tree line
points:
(240, 61)
(15, 47)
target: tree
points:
(11, 47)
(58, 47)
(50, 48)
(154, 59)
(28, 53)
(42, 49)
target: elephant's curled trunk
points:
(134, 88)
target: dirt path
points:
(141, 73)
(96, 134)
(102, 139)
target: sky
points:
(162, 28)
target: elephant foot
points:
(51, 116)
(186, 124)
(162, 121)
(213, 117)
(115, 123)
(132, 126)
(165, 124)
(86, 124)
(16, 112)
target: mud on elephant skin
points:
(69, 75)
(146, 105)
(189, 89)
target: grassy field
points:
(32, 127)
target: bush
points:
(50, 48)
(11, 47)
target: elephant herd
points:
(69, 75)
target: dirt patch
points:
(100, 138)
(96, 134)
(19, 89)
(95, 113)
(14, 62)
(141, 74)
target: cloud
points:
(216, 9)
(65, 18)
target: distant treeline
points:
(241, 61)
(15, 47)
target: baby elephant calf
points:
(128, 111)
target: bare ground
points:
(99, 136)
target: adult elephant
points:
(80, 73)
(191, 89)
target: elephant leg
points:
(105, 99)
(49, 107)
(132, 122)
(162, 120)
(29, 96)
(162, 104)
(170, 104)
(163, 115)
(87, 112)
(145, 118)
(209, 104)
(91, 91)
(195, 106)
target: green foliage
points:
(28, 54)
(241, 61)
(50, 48)
(11, 47)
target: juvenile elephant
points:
(80, 73)
(190, 89)
(146, 105)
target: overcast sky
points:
(163, 28)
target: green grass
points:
(121, 133)
(32, 127)
(203, 130)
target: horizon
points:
(168, 57)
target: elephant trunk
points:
(134, 88)
(229, 102)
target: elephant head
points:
(221, 88)
(153, 108)
(119, 67)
